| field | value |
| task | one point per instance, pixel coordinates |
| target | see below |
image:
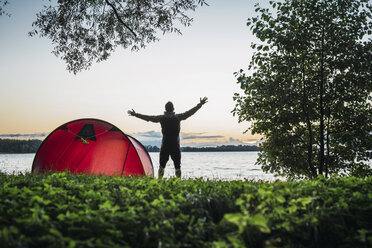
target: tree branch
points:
(118, 17)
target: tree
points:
(84, 32)
(3, 3)
(19, 146)
(308, 87)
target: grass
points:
(65, 210)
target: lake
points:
(210, 165)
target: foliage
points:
(3, 3)
(84, 32)
(316, 213)
(19, 146)
(64, 210)
(308, 90)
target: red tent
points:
(92, 146)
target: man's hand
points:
(132, 112)
(203, 100)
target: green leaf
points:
(305, 200)
(280, 198)
(260, 221)
(292, 209)
(236, 218)
(61, 217)
(235, 242)
(55, 232)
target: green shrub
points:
(65, 210)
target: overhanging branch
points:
(119, 18)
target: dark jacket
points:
(170, 123)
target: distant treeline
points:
(224, 148)
(19, 146)
(31, 146)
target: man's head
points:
(169, 107)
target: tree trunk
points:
(308, 122)
(321, 107)
(328, 152)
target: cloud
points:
(149, 134)
(201, 140)
(150, 138)
(24, 136)
(253, 141)
(233, 141)
(189, 136)
(203, 137)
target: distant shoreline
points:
(223, 148)
(209, 151)
(148, 152)
(11, 146)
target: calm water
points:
(212, 165)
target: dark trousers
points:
(175, 153)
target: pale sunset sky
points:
(38, 94)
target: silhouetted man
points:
(170, 127)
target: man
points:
(170, 127)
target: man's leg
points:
(178, 172)
(176, 157)
(160, 172)
(163, 159)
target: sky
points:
(38, 94)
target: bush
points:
(64, 210)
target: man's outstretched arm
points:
(152, 118)
(192, 111)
